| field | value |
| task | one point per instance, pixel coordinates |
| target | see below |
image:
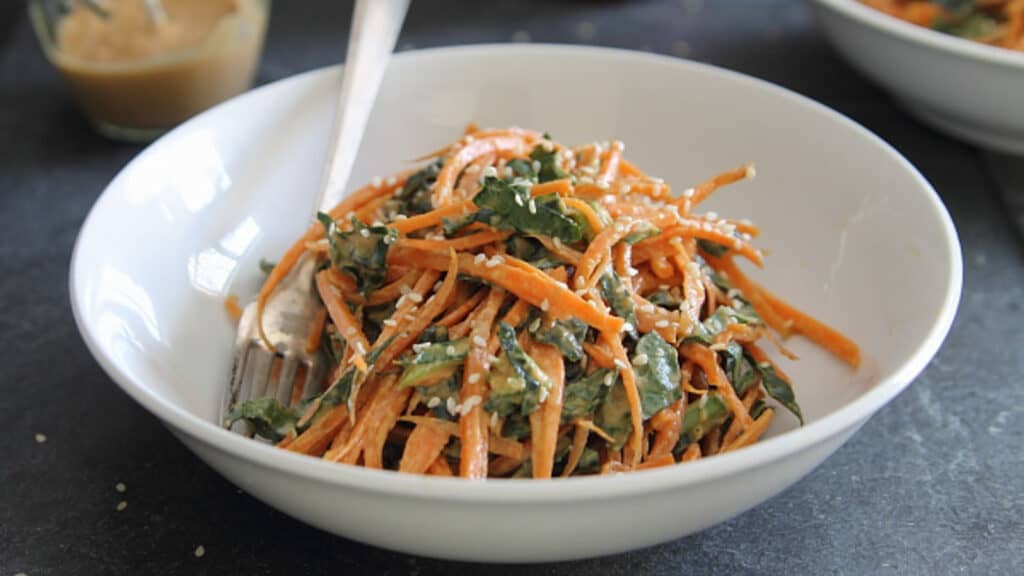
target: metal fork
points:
(260, 372)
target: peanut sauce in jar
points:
(135, 77)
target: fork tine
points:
(286, 382)
(258, 367)
(314, 379)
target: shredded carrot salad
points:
(516, 308)
(993, 22)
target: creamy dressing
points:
(127, 71)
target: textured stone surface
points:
(934, 484)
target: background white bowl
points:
(966, 89)
(852, 227)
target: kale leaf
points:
(656, 366)
(361, 252)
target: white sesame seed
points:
(648, 308)
(625, 188)
(200, 551)
(712, 215)
(661, 324)
(519, 200)
(718, 346)
(376, 181)
(547, 145)
(400, 217)
(544, 305)
(663, 286)
(437, 285)
(479, 258)
(532, 206)
(390, 322)
(491, 172)
(535, 325)
(469, 138)
(492, 263)
(414, 297)
(557, 242)
(365, 233)
(451, 406)
(689, 192)
(473, 378)
(535, 166)
(621, 364)
(420, 347)
(389, 239)
(40, 438)
(626, 327)
(361, 348)
(434, 402)
(609, 379)
(479, 341)
(586, 179)
(640, 359)
(391, 181)
(451, 351)
(120, 487)
(350, 331)
(122, 505)
(746, 237)
(751, 171)
(470, 403)
(410, 317)
(494, 420)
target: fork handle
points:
(375, 28)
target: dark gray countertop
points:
(934, 484)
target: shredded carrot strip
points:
(544, 421)
(461, 243)
(753, 293)
(588, 213)
(579, 443)
(462, 310)
(457, 162)
(537, 289)
(562, 187)
(432, 218)
(423, 448)
(231, 305)
(705, 189)
(316, 331)
(472, 424)
(347, 325)
(821, 334)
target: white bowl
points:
(857, 237)
(966, 89)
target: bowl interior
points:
(848, 223)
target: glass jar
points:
(135, 77)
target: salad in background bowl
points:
(948, 67)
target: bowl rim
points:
(560, 490)
(946, 43)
